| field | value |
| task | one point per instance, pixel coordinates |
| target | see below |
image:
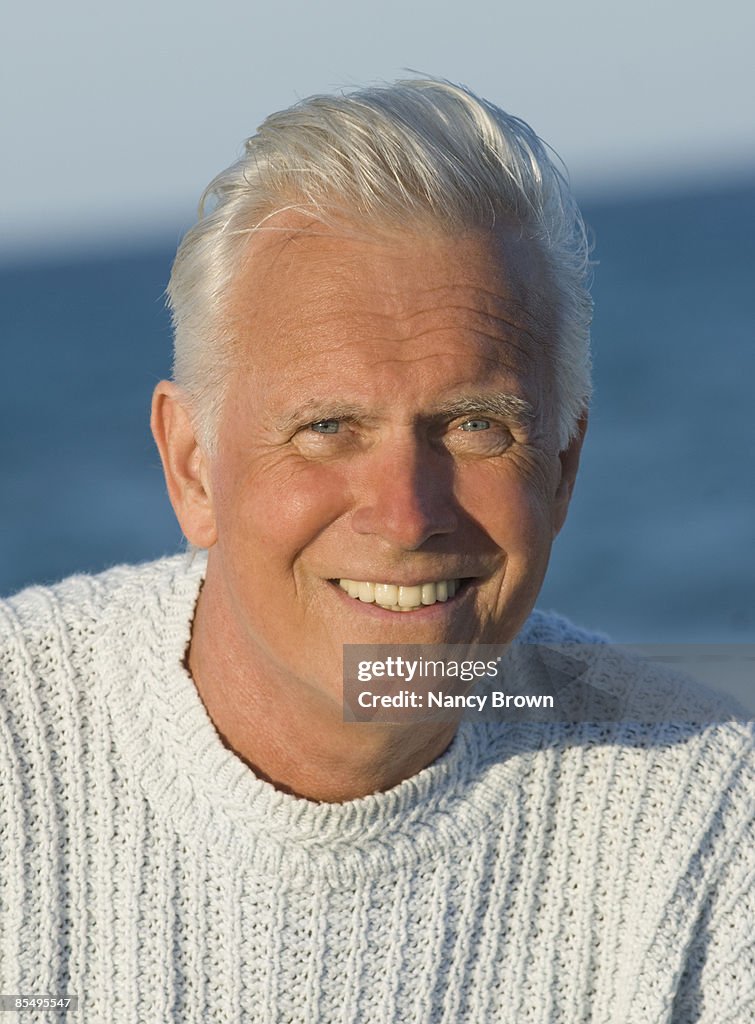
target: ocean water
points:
(660, 542)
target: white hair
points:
(422, 154)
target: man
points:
(379, 400)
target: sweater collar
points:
(165, 736)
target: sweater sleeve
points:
(718, 983)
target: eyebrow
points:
(509, 407)
(506, 406)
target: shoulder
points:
(551, 628)
(62, 646)
(652, 684)
(55, 621)
(627, 720)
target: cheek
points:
(268, 514)
(509, 504)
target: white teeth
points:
(400, 599)
(386, 594)
(409, 597)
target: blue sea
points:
(660, 543)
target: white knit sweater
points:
(532, 873)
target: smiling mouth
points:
(396, 598)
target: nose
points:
(404, 494)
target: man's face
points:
(389, 423)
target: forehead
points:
(335, 304)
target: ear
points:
(569, 459)
(185, 464)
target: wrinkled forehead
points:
(316, 306)
(296, 268)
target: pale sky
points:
(116, 116)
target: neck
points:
(292, 736)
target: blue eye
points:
(325, 426)
(475, 425)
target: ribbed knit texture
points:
(539, 873)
